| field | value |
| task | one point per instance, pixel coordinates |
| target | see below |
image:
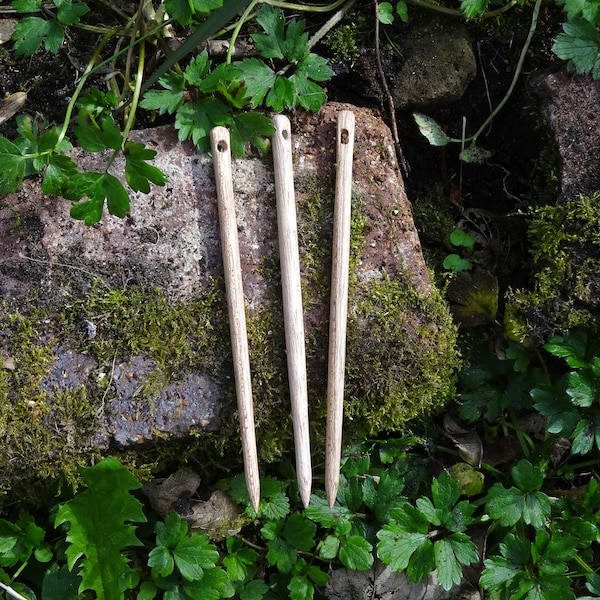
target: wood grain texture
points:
(338, 312)
(220, 143)
(292, 300)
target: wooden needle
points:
(219, 138)
(292, 300)
(338, 311)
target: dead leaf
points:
(468, 442)
(473, 297)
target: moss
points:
(565, 253)
(401, 358)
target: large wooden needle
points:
(219, 138)
(338, 311)
(293, 315)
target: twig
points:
(390, 102)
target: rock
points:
(126, 321)
(380, 583)
(438, 67)
(571, 106)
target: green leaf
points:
(282, 95)
(402, 10)
(583, 437)
(453, 262)
(432, 514)
(170, 532)
(307, 94)
(161, 561)
(194, 554)
(95, 138)
(26, 6)
(60, 583)
(31, 32)
(329, 547)
(582, 389)
(281, 554)
(254, 590)
(445, 492)
(137, 173)
(475, 155)
(300, 532)
(385, 13)
(250, 127)
(473, 8)
(301, 588)
(526, 476)
(295, 44)
(356, 553)
(214, 585)
(183, 10)
(99, 187)
(270, 44)
(100, 520)
(167, 100)
(462, 238)
(315, 67)
(498, 570)
(69, 13)
(431, 130)
(12, 167)
(449, 569)
(258, 77)
(579, 45)
(198, 118)
(197, 70)
(385, 496)
(505, 505)
(60, 168)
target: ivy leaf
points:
(100, 527)
(356, 553)
(99, 187)
(12, 166)
(579, 45)
(137, 173)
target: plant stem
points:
(237, 28)
(305, 7)
(519, 68)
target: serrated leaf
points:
(26, 6)
(300, 532)
(526, 476)
(396, 546)
(295, 44)
(318, 510)
(60, 584)
(449, 571)
(582, 389)
(497, 571)
(271, 19)
(95, 138)
(60, 168)
(101, 526)
(431, 130)
(214, 585)
(281, 554)
(505, 505)
(583, 437)
(138, 173)
(308, 94)
(432, 514)
(258, 77)
(221, 77)
(12, 167)
(445, 491)
(250, 127)
(99, 188)
(183, 10)
(254, 590)
(579, 45)
(356, 553)
(197, 70)
(194, 554)
(282, 95)
(161, 562)
(165, 101)
(31, 32)
(170, 532)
